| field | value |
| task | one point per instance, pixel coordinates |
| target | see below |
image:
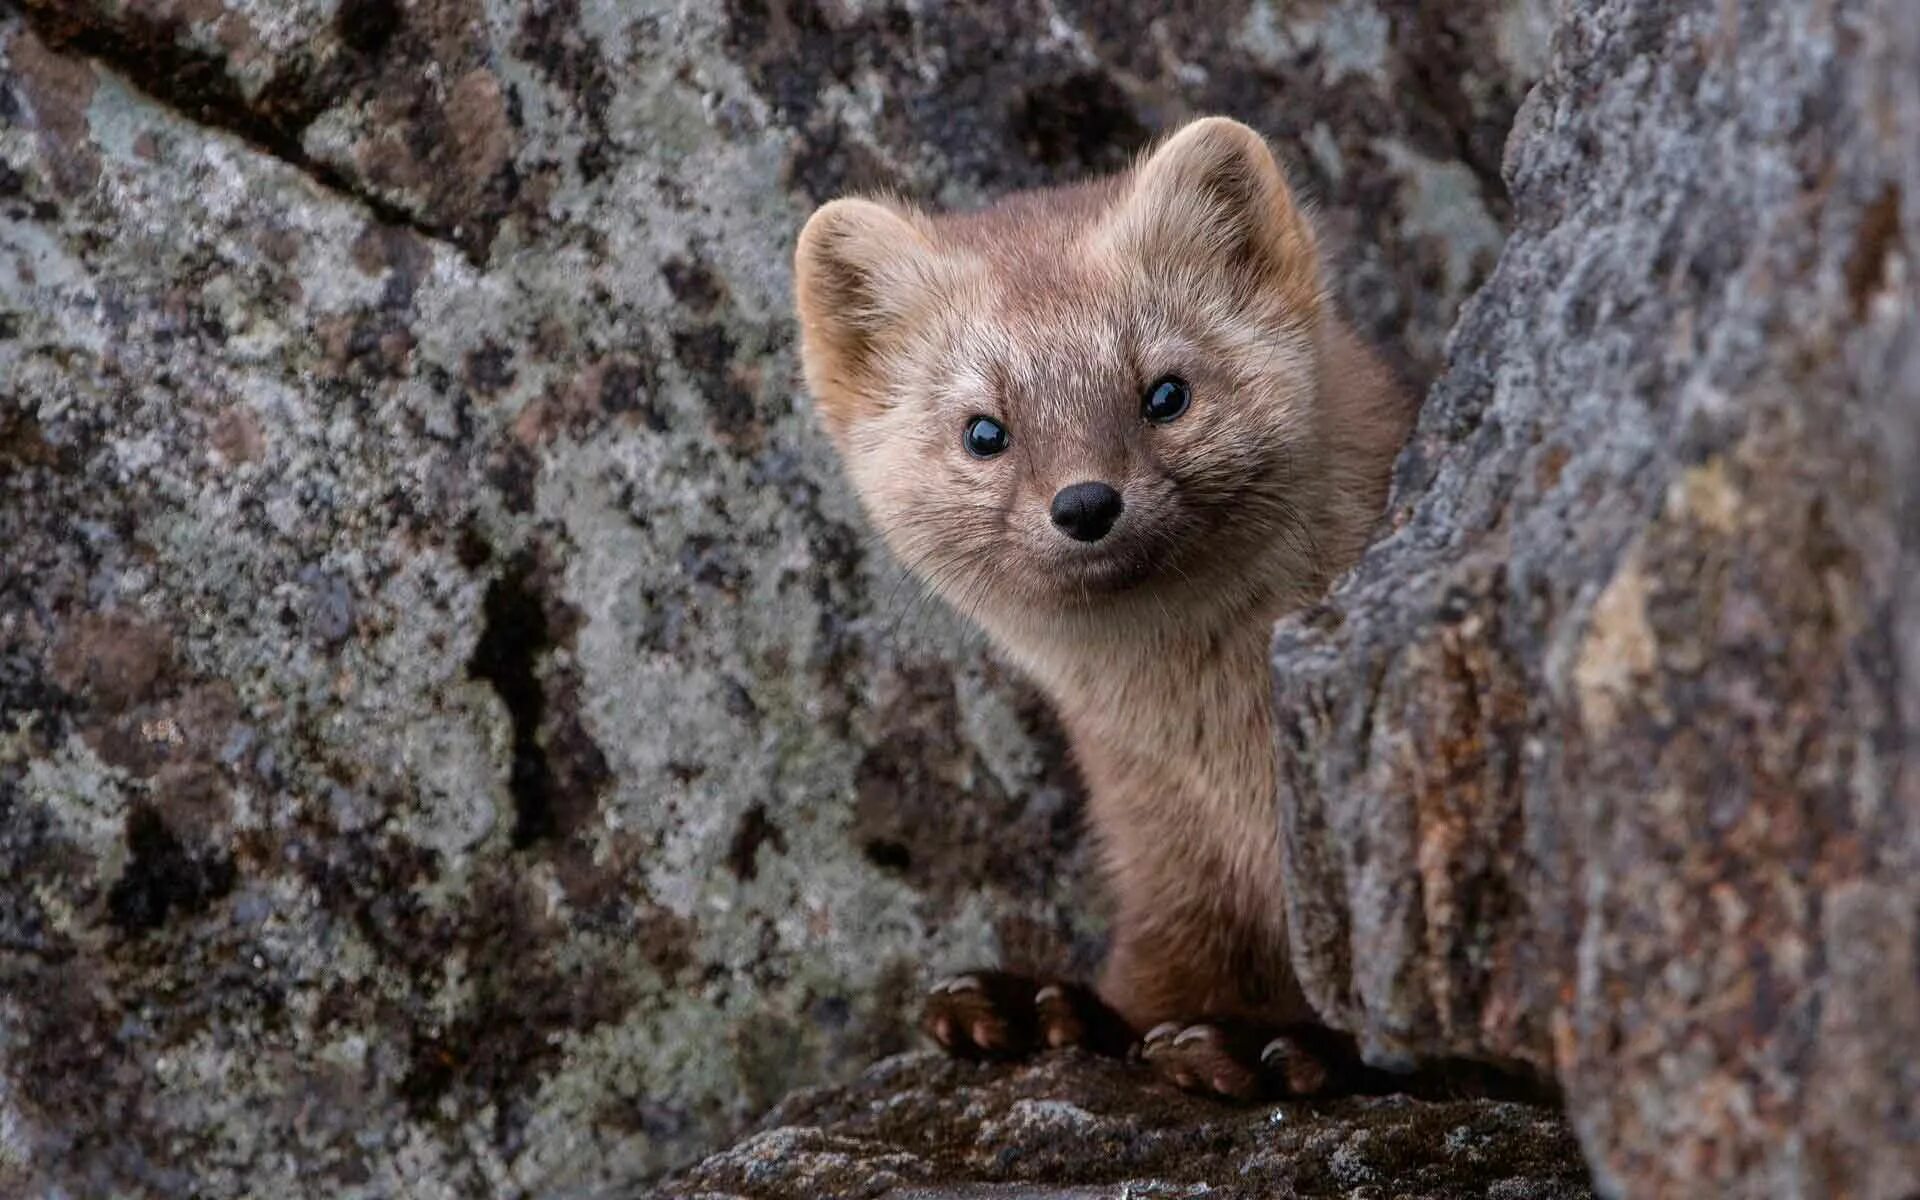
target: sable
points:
(1121, 426)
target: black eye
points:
(986, 437)
(1166, 399)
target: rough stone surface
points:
(455, 734)
(1607, 759)
(1071, 1127)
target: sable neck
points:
(1132, 688)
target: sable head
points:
(1080, 397)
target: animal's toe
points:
(1296, 1068)
(998, 1014)
(982, 1014)
(1072, 1015)
(1209, 1058)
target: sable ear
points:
(860, 269)
(1213, 196)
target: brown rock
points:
(57, 90)
(1604, 760)
(112, 658)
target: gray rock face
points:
(455, 733)
(1070, 1127)
(1607, 759)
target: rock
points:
(1074, 1127)
(1607, 758)
(456, 734)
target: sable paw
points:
(995, 1014)
(1239, 1061)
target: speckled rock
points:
(1607, 760)
(455, 733)
(1077, 1127)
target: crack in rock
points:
(147, 53)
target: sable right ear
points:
(859, 270)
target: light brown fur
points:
(1052, 312)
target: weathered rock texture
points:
(1078, 1128)
(1608, 759)
(455, 734)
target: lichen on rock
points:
(1071, 1125)
(456, 733)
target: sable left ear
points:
(1213, 196)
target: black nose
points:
(1085, 511)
